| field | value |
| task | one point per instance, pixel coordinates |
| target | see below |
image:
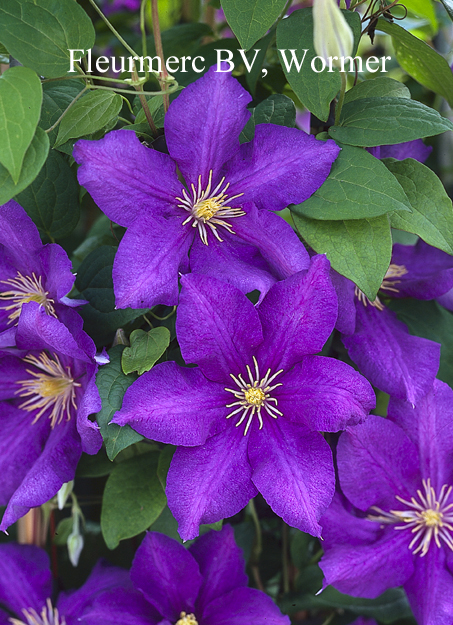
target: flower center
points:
(54, 389)
(208, 208)
(187, 619)
(48, 616)
(394, 271)
(254, 395)
(25, 289)
(428, 517)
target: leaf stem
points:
(344, 80)
(79, 95)
(160, 52)
(112, 28)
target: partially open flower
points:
(333, 36)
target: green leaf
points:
(165, 459)
(156, 108)
(360, 249)
(386, 121)
(448, 4)
(358, 187)
(95, 284)
(145, 350)
(389, 607)
(258, 61)
(40, 33)
(276, 109)
(112, 383)
(251, 19)
(432, 211)
(420, 61)
(34, 159)
(89, 114)
(377, 88)
(433, 322)
(423, 9)
(57, 96)
(133, 499)
(20, 107)
(52, 199)
(315, 91)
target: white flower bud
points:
(332, 35)
(75, 546)
(63, 494)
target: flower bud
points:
(332, 35)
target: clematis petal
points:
(324, 394)
(125, 178)
(102, 579)
(276, 240)
(298, 315)
(428, 425)
(409, 149)
(90, 404)
(175, 405)
(370, 569)
(167, 575)
(242, 607)
(203, 124)
(371, 474)
(36, 331)
(346, 306)
(223, 343)
(25, 578)
(57, 269)
(293, 470)
(20, 446)
(398, 363)
(221, 564)
(430, 589)
(232, 261)
(429, 271)
(55, 466)
(127, 607)
(149, 275)
(208, 483)
(280, 166)
(20, 236)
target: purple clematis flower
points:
(203, 585)
(218, 215)
(248, 418)
(30, 272)
(112, 6)
(26, 588)
(410, 149)
(398, 475)
(47, 392)
(402, 365)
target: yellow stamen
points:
(187, 619)
(48, 616)
(253, 396)
(428, 517)
(394, 271)
(25, 289)
(53, 390)
(208, 208)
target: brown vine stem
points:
(144, 103)
(160, 52)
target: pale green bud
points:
(332, 35)
(75, 546)
(63, 494)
